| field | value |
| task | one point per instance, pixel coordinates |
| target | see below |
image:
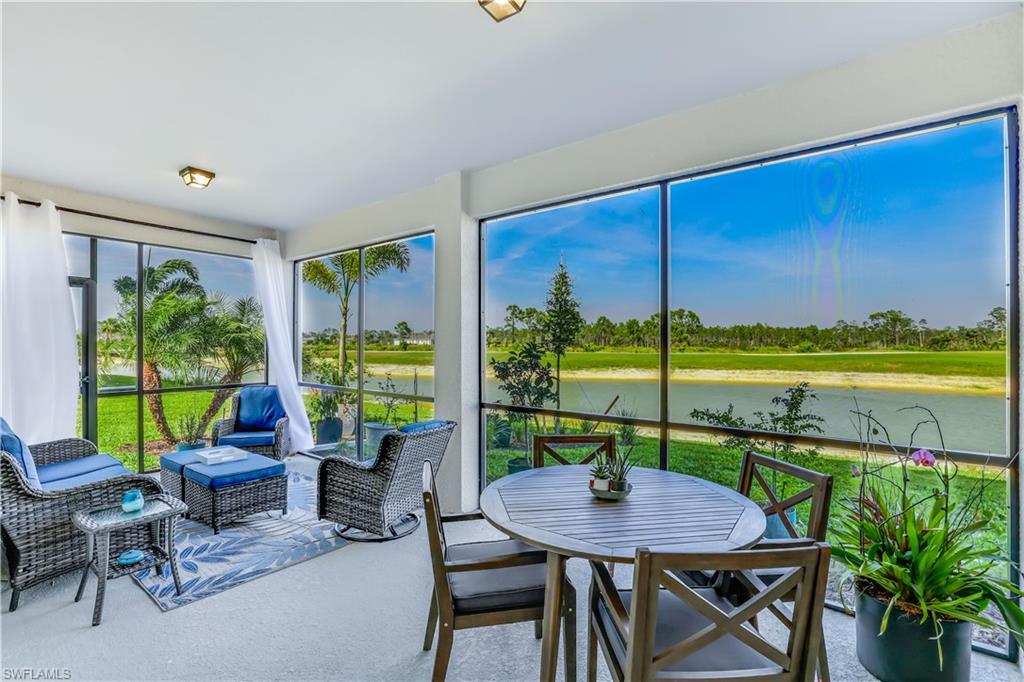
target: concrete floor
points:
(354, 614)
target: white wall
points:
(99, 227)
(961, 72)
(438, 207)
(967, 70)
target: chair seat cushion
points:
(12, 443)
(259, 408)
(87, 477)
(494, 589)
(176, 461)
(676, 622)
(252, 468)
(49, 473)
(244, 439)
(417, 427)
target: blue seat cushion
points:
(252, 468)
(48, 473)
(259, 408)
(243, 439)
(417, 427)
(10, 442)
(87, 477)
(176, 461)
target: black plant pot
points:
(328, 431)
(517, 464)
(907, 652)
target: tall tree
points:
(513, 315)
(175, 332)
(562, 322)
(338, 275)
(894, 324)
(404, 331)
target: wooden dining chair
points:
(546, 444)
(757, 469)
(818, 491)
(685, 632)
(477, 584)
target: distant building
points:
(417, 339)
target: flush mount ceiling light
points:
(502, 9)
(196, 177)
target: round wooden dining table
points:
(552, 508)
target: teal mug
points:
(132, 501)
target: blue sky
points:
(916, 223)
(390, 298)
(228, 275)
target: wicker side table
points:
(110, 531)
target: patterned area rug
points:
(245, 550)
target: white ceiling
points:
(307, 110)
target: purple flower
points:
(923, 458)
(854, 470)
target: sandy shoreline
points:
(922, 383)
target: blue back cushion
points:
(417, 427)
(259, 409)
(10, 442)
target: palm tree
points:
(175, 326)
(338, 275)
(236, 344)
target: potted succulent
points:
(921, 568)
(190, 429)
(608, 476)
(600, 479)
(618, 471)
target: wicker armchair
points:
(375, 500)
(39, 540)
(227, 432)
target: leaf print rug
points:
(245, 550)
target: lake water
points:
(972, 423)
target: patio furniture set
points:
(706, 566)
(60, 502)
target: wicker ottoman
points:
(218, 494)
(172, 468)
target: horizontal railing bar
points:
(966, 457)
(369, 391)
(129, 390)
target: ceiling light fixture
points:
(196, 177)
(502, 9)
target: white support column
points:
(456, 341)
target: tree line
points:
(882, 330)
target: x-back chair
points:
(485, 583)
(546, 444)
(686, 632)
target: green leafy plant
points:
(923, 554)
(599, 469)
(191, 428)
(619, 468)
(324, 403)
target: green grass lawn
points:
(721, 465)
(945, 363)
(117, 417)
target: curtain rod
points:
(105, 216)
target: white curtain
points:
(270, 285)
(38, 348)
